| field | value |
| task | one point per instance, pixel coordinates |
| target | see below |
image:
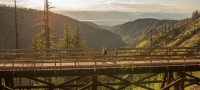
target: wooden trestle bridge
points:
(87, 69)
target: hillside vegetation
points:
(184, 33)
(27, 18)
(133, 32)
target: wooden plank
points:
(99, 65)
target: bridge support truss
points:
(167, 81)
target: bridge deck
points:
(89, 63)
(59, 60)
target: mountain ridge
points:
(132, 32)
(95, 38)
(112, 18)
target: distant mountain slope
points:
(105, 27)
(91, 24)
(27, 18)
(132, 32)
(184, 33)
(112, 18)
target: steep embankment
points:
(133, 32)
(185, 33)
(27, 18)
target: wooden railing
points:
(13, 59)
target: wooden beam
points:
(63, 84)
(147, 88)
(126, 81)
(147, 77)
(172, 83)
(86, 86)
(94, 80)
(32, 87)
(6, 88)
(164, 79)
(111, 88)
(44, 82)
(146, 82)
(195, 78)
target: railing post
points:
(94, 60)
(75, 64)
(184, 58)
(25, 54)
(13, 65)
(93, 56)
(124, 53)
(140, 54)
(109, 56)
(60, 56)
(55, 64)
(151, 58)
(75, 60)
(34, 62)
(43, 54)
(94, 80)
(7, 54)
(195, 52)
(168, 54)
(133, 63)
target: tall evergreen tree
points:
(195, 15)
(39, 40)
(44, 39)
(78, 41)
(34, 42)
(66, 41)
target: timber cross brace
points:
(167, 81)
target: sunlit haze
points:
(184, 6)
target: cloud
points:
(11, 2)
(6, 0)
(113, 5)
(139, 7)
(131, 6)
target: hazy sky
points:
(183, 6)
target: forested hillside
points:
(184, 33)
(27, 18)
(132, 32)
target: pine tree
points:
(34, 42)
(78, 41)
(39, 40)
(195, 15)
(45, 37)
(66, 41)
